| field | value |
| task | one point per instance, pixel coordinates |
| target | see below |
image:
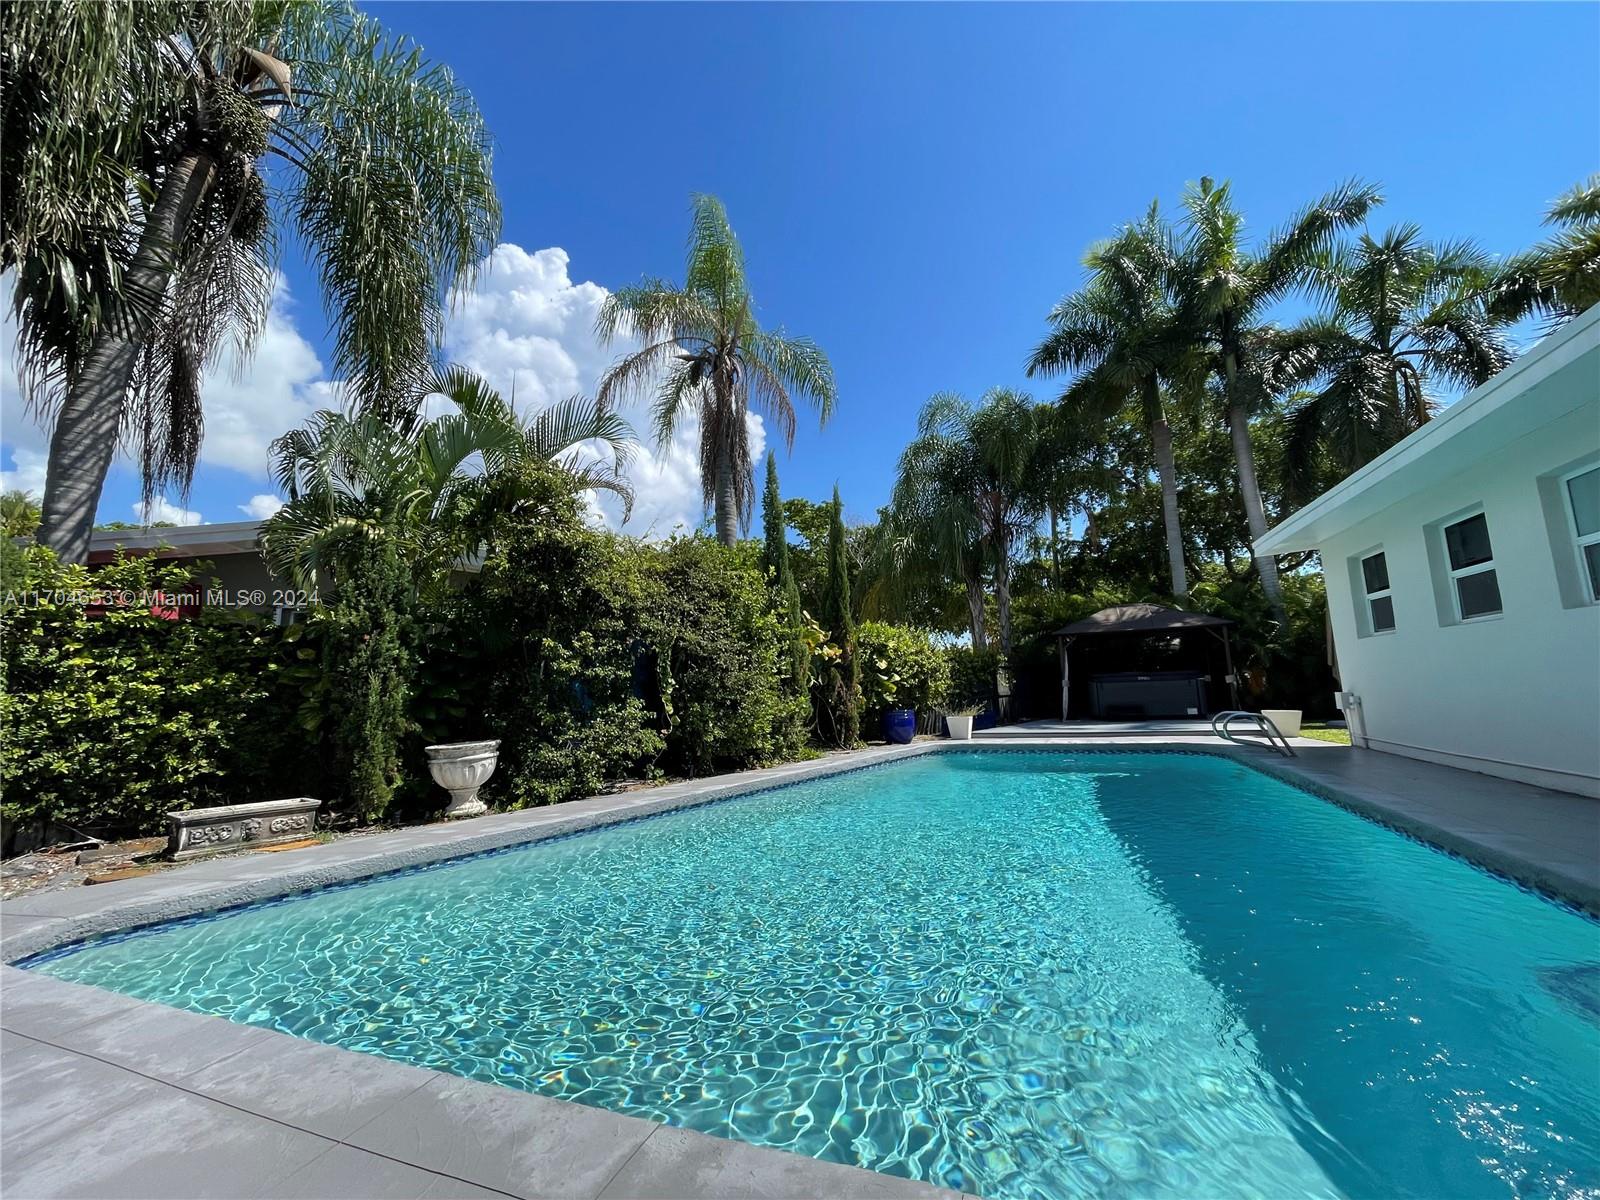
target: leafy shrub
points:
(594, 658)
(111, 715)
(721, 654)
(972, 676)
(540, 652)
(900, 668)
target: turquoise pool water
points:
(1034, 974)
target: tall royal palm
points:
(1560, 277)
(154, 151)
(1224, 290)
(1401, 317)
(703, 353)
(1123, 340)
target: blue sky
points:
(915, 185)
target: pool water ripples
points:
(1021, 974)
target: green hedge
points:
(593, 658)
(596, 658)
(901, 667)
(110, 716)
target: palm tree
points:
(1123, 339)
(931, 530)
(1401, 317)
(19, 513)
(704, 353)
(970, 485)
(141, 220)
(1560, 277)
(431, 485)
(1224, 291)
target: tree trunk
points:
(1002, 589)
(974, 582)
(725, 496)
(1254, 514)
(1055, 551)
(727, 507)
(1167, 469)
(85, 435)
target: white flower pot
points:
(461, 768)
(960, 728)
(1286, 719)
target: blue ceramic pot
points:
(900, 725)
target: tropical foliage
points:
(433, 486)
(1560, 277)
(974, 480)
(1224, 293)
(462, 592)
(703, 355)
(1124, 342)
(141, 219)
(1402, 317)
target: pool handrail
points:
(1276, 742)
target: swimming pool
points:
(1019, 973)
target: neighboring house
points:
(234, 576)
(1463, 573)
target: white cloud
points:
(245, 409)
(261, 507)
(27, 474)
(277, 389)
(529, 329)
(162, 509)
(526, 326)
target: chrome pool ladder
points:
(1222, 722)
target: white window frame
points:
(1580, 540)
(1388, 592)
(1453, 574)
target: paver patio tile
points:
(268, 1077)
(508, 1140)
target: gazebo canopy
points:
(1141, 618)
(1148, 620)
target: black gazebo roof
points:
(1141, 618)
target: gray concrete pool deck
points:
(102, 1095)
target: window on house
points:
(1380, 603)
(1583, 506)
(1472, 574)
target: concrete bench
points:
(200, 831)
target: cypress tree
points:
(369, 672)
(836, 614)
(775, 562)
(775, 550)
(843, 688)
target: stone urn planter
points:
(461, 768)
(1286, 719)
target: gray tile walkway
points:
(1549, 840)
(102, 1095)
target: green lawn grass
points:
(1340, 737)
